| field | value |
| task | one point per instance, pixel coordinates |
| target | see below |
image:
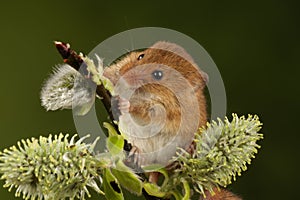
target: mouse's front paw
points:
(134, 159)
(134, 155)
(119, 106)
(123, 105)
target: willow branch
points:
(74, 60)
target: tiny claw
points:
(134, 156)
(133, 151)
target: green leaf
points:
(164, 172)
(111, 130)
(103, 160)
(91, 67)
(187, 190)
(127, 178)
(177, 195)
(154, 190)
(108, 85)
(115, 144)
(111, 186)
(153, 167)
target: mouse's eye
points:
(157, 74)
(141, 56)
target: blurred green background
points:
(254, 44)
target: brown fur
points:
(182, 80)
(175, 57)
(179, 93)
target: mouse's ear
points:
(172, 47)
(205, 77)
(175, 48)
(201, 85)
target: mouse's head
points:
(163, 74)
(163, 63)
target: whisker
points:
(129, 33)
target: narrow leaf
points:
(154, 190)
(115, 144)
(127, 178)
(111, 187)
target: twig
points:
(74, 60)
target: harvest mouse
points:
(161, 100)
(162, 104)
(160, 96)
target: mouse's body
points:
(164, 87)
(162, 104)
